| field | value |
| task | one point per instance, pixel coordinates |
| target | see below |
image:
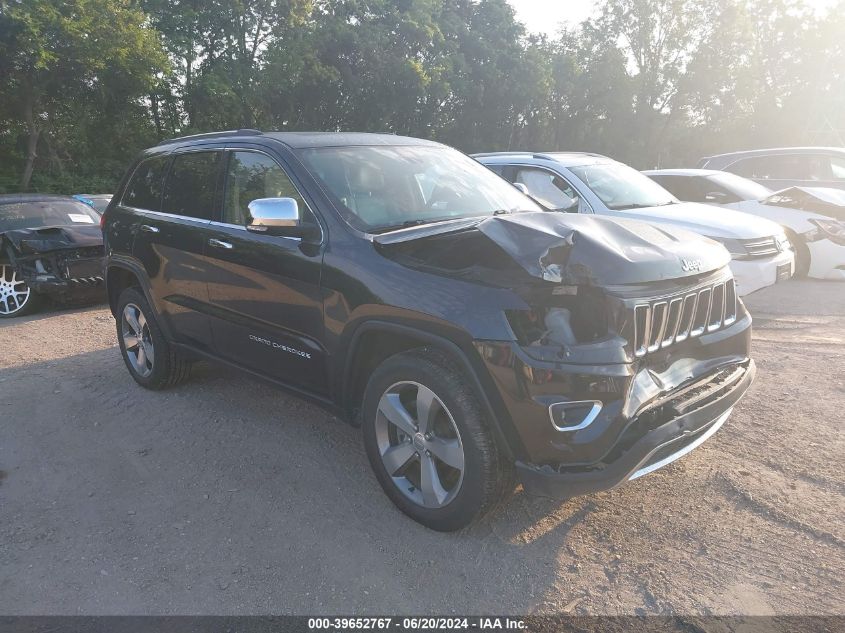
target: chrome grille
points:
(763, 247)
(661, 323)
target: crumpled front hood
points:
(53, 238)
(579, 249)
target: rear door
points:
(170, 244)
(264, 289)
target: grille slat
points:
(761, 247)
(675, 319)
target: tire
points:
(149, 357)
(16, 297)
(802, 254)
(413, 445)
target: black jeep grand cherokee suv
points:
(418, 295)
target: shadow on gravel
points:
(226, 495)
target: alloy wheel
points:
(14, 292)
(137, 340)
(419, 444)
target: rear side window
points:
(191, 185)
(144, 190)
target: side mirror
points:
(719, 197)
(278, 216)
(522, 188)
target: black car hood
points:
(569, 249)
(54, 238)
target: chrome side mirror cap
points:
(269, 215)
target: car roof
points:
(567, 159)
(682, 172)
(303, 140)
(11, 198)
(730, 157)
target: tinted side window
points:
(191, 184)
(144, 190)
(682, 187)
(251, 176)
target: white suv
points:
(590, 183)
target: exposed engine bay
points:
(65, 262)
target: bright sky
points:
(546, 16)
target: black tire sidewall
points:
(480, 463)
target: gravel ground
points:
(225, 496)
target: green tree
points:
(60, 54)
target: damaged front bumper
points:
(651, 440)
(64, 277)
(588, 427)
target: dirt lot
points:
(227, 497)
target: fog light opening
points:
(574, 416)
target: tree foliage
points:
(86, 83)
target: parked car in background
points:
(589, 183)
(813, 217)
(97, 201)
(782, 167)
(395, 281)
(50, 246)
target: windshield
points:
(622, 187)
(382, 188)
(34, 214)
(744, 188)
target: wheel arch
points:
(122, 274)
(375, 340)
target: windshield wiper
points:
(626, 207)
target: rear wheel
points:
(16, 297)
(429, 444)
(148, 355)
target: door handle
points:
(220, 244)
(146, 228)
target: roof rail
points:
(190, 137)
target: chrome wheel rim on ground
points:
(419, 444)
(14, 293)
(137, 340)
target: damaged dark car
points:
(476, 340)
(51, 248)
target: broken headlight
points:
(565, 318)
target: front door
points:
(265, 290)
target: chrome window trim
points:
(238, 227)
(173, 216)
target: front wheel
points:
(148, 355)
(16, 297)
(429, 443)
